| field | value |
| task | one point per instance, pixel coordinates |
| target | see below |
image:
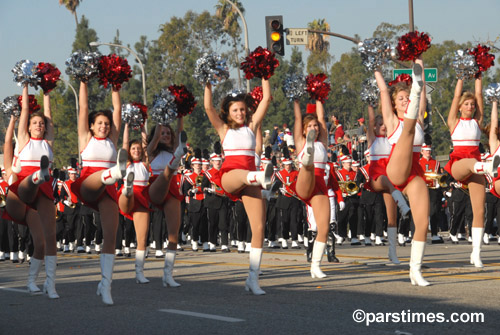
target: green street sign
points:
(431, 75)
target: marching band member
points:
(431, 167)
(349, 216)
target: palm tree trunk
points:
(76, 17)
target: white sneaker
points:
(97, 248)
(241, 247)
(194, 245)
(118, 252)
(295, 245)
(71, 246)
(300, 238)
(378, 241)
(284, 244)
(165, 245)
(486, 238)
(355, 241)
(2, 256)
(88, 250)
(339, 240)
(128, 184)
(248, 247)
(159, 254)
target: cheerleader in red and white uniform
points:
(30, 198)
(164, 191)
(465, 136)
(311, 135)
(236, 126)
(379, 151)
(403, 112)
(102, 167)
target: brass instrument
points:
(349, 187)
(439, 180)
(2, 201)
(198, 180)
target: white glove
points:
(194, 190)
(341, 205)
(67, 203)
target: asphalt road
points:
(212, 299)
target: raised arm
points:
(323, 133)
(117, 116)
(83, 116)
(493, 135)
(261, 110)
(298, 137)
(370, 130)
(126, 137)
(8, 146)
(423, 98)
(478, 92)
(214, 118)
(22, 130)
(180, 127)
(453, 114)
(258, 141)
(153, 144)
(49, 126)
(390, 119)
(144, 143)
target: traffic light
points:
(275, 34)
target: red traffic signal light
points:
(275, 34)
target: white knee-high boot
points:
(392, 237)
(179, 151)
(477, 237)
(35, 266)
(140, 256)
(317, 255)
(168, 279)
(104, 287)
(261, 178)
(416, 88)
(252, 282)
(308, 156)
(417, 254)
(117, 172)
(49, 286)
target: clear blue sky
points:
(41, 30)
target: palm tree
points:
(318, 42)
(71, 5)
(318, 45)
(229, 16)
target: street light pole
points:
(77, 109)
(410, 8)
(247, 51)
(95, 44)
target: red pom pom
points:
(256, 95)
(311, 109)
(261, 63)
(49, 75)
(403, 77)
(412, 45)
(184, 99)
(113, 70)
(33, 103)
(484, 60)
(144, 111)
(317, 87)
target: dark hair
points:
(228, 101)
(93, 116)
(130, 144)
(162, 146)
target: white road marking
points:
(13, 289)
(202, 315)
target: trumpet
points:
(2, 201)
(349, 187)
(439, 180)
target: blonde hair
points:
(395, 89)
(466, 96)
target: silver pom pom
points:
(164, 110)
(375, 52)
(10, 106)
(211, 68)
(370, 92)
(237, 91)
(132, 115)
(83, 65)
(492, 93)
(25, 72)
(464, 64)
(294, 86)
